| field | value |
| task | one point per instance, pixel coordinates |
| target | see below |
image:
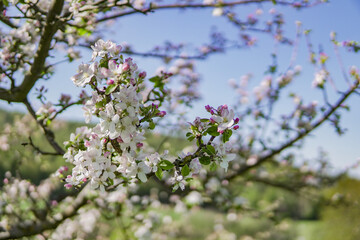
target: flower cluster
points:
(112, 152)
(112, 149)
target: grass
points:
(307, 230)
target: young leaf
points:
(213, 131)
(213, 166)
(226, 135)
(166, 165)
(211, 149)
(159, 173)
(185, 170)
(110, 89)
(191, 138)
(205, 160)
(151, 125)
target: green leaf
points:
(159, 173)
(100, 104)
(226, 135)
(188, 134)
(191, 138)
(69, 144)
(213, 166)
(185, 170)
(83, 32)
(6, 3)
(110, 181)
(158, 83)
(211, 149)
(193, 128)
(204, 120)
(155, 79)
(110, 89)
(213, 131)
(205, 160)
(166, 165)
(151, 125)
(274, 2)
(176, 186)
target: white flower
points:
(85, 73)
(109, 121)
(195, 166)
(225, 119)
(218, 12)
(223, 152)
(101, 48)
(320, 78)
(178, 181)
(143, 170)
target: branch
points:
(48, 133)
(19, 94)
(32, 228)
(187, 6)
(299, 136)
(37, 149)
(285, 186)
(6, 21)
(79, 102)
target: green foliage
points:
(341, 216)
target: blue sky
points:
(193, 26)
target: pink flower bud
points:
(236, 120)
(68, 186)
(208, 108)
(110, 82)
(212, 120)
(6, 181)
(220, 131)
(236, 127)
(84, 179)
(54, 203)
(87, 144)
(126, 66)
(106, 154)
(139, 145)
(142, 75)
(119, 140)
(161, 114)
(129, 59)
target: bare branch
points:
(188, 6)
(299, 136)
(48, 133)
(37, 149)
